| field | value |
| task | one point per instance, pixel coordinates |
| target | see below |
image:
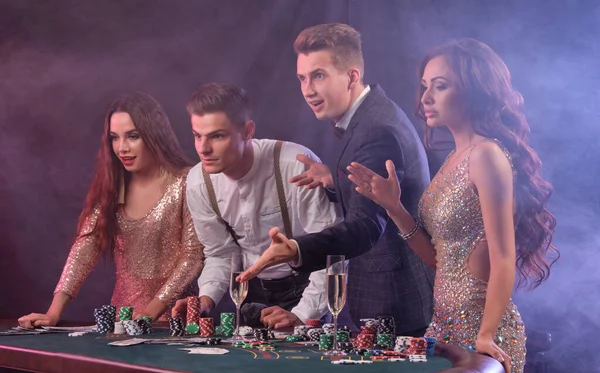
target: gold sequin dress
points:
(451, 213)
(158, 255)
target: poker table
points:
(90, 353)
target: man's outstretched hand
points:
(281, 250)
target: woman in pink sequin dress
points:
(136, 212)
(483, 217)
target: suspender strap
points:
(287, 226)
(213, 202)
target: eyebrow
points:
(219, 131)
(434, 79)
(127, 133)
(312, 72)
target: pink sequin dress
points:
(156, 256)
(450, 212)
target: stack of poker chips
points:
(385, 341)
(343, 336)
(227, 324)
(145, 323)
(402, 344)
(125, 313)
(105, 318)
(119, 328)
(207, 327)
(386, 329)
(328, 329)
(301, 330)
(132, 327)
(347, 346)
(418, 346)
(386, 325)
(365, 339)
(176, 326)
(246, 331)
(430, 345)
(314, 334)
(261, 334)
(192, 315)
(325, 342)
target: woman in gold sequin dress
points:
(136, 211)
(484, 214)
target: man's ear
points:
(249, 128)
(354, 77)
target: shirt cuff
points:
(305, 314)
(297, 263)
(214, 291)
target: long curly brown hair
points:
(154, 127)
(494, 110)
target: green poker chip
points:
(192, 328)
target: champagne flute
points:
(237, 290)
(336, 294)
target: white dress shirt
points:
(251, 206)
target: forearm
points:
(498, 293)
(187, 270)
(58, 305)
(155, 309)
(420, 242)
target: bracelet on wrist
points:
(409, 235)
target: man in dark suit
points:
(385, 277)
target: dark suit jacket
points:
(385, 277)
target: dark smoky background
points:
(62, 63)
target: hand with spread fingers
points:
(485, 345)
(316, 174)
(276, 318)
(385, 192)
(281, 250)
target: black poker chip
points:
(176, 326)
(261, 334)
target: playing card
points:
(128, 342)
(206, 350)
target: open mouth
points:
(316, 104)
(127, 161)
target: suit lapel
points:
(354, 121)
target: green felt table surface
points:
(287, 357)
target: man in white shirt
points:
(241, 171)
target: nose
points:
(426, 98)
(205, 147)
(308, 89)
(123, 146)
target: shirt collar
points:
(345, 121)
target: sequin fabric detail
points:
(450, 211)
(158, 255)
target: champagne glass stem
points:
(335, 341)
(237, 322)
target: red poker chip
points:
(313, 323)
